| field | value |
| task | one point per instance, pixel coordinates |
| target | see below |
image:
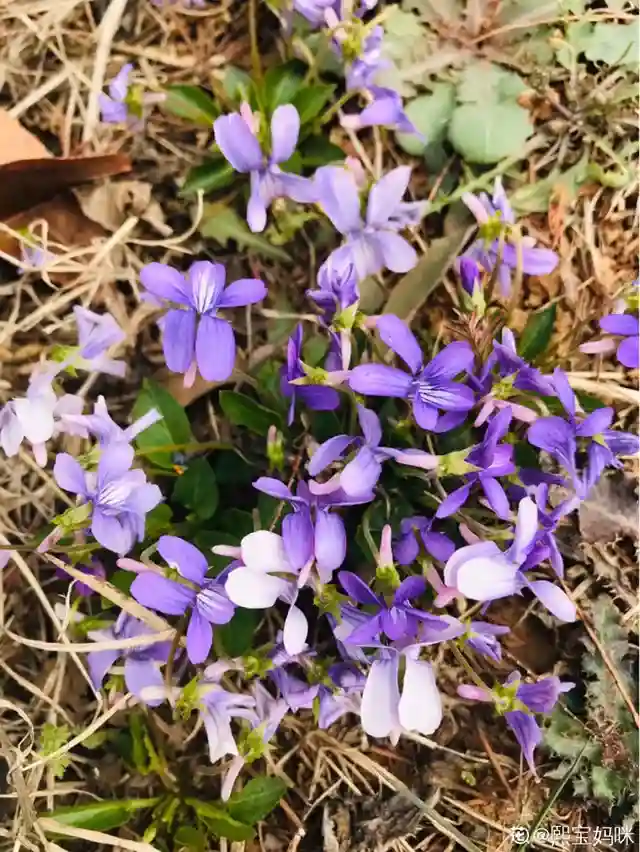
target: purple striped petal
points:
(285, 127)
(329, 452)
(330, 544)
(238, 144)
(379, 380)
(215, 349)
(358, 589)
(361, 474)
(397, 336)
(625, 324)
(245, 291)
(178, 339)
(160, 593)
(185, 556)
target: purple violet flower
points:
(430, 387)
(337, 291)
(373, 243)
(119, 497)
(482, 572)
(312, 532)
(345, 697)
(217, 708)
(494, 216)
(406, 547)
(316, 397)
(518, 702)
(194, 336)
(94, 569)
(627, 351)
(385, 109)
(205, 599)
(398, 620)
(113, 107)
(559, 438)
(491, 460)
(141, 664)
(502, 376)
(483, 638)
(236, 136)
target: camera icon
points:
(519, 834)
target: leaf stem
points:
(256, 64)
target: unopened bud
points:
(275, 448)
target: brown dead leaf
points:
(25, 183)
(111, 204)
(610, 511)
(33, 185)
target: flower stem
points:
(253, 35)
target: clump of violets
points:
(496, 249)
(195, 338)
(371, 243)
(518, 702)
(240, 137)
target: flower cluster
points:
(442, 422)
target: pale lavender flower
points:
(217, 708)
(120, 497)
(295, 692)
(430, 387)
(495, 216)
(388, 712)
(236, 136)
(483, 638)
(372, 243)
(101, 425)
(627, 351)
(482, 572)
(141, 665)
(39, 415)
(97, 333)
(194, 336)
(204, 599)
(344, 696)
(256, 582)
(385, 109)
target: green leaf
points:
(310, 100)
(318, 151)
(101, 816)
(244, 411)
(237, 84)
(52, 738)
(536, 197)
(430, 114)
(281, 85)
(219, 822)
(487, 133)
(197, 489)
(188, 837)
(613, 44)
(257, 799)
(237, 635)
(158, 521)
(192, 103)
(537, 333)
(209, 176)
(122, 580)
(172, 430)
(222, 224)
(414, 288)
(485, 83)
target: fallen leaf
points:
(25, 183)
(610, 511)
(110, 204)
(34, 185)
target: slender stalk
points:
(256, 64)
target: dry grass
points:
(466, 788)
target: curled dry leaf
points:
(610, 511)
(34, 185)
(110, 204)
